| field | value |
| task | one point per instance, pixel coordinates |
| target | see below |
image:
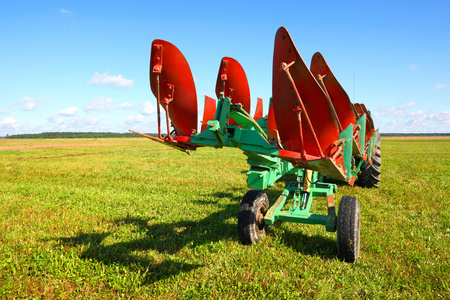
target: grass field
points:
(128, 218)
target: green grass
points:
(128, 218)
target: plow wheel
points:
(251, 225)
(370, 173)
(348, 229)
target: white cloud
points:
(27, 99)
(69, 111)
(110, 80)
(80, 124)
(417, 113)
(407, 105)
(148, 108)
(29, 106)
(99, 103)
(54, 119)
(92, 121)
(64, 11)
(139, 123)
(134, 119)
(398, 110)
(8, 123)
(413, 67)
(417, 121)
(85, 122)
(439, 85)
(441, 117)
(28, 103)
(125, 106)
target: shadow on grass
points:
(121, 253)
(164, 237)
(316, 245)
(171, 237)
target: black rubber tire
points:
(369, 175)
(251, 225)
(348, 229)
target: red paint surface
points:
(285, 101)
(236, 84)
(259, 110)
(209, 111)
(175, 71)
(339, 98)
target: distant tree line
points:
(415, 134)
(74, 135)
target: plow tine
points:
(232, 81)
(181, 143)
(259, 110)
(172, 84)
(209, 112)
(303, 114)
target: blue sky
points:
(83, 65)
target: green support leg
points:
(303, 196)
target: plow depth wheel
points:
(348, 229)
(251, 225)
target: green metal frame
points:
(266, 167)
(307, 186)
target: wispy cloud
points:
(64, 11)
(417, 113)
(110, 80)
(69, 111)
(417, 121)
(420, 116)
(440, 85)
(413, 67)
(148, 108)
(29, 106)
(397, 110)
(54, 119)
(86, 124)
(99, 103)
(125, 106)
(441, 117)
(134, 119)
(28, 103)
(408, 105)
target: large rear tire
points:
(369, 175)
(251, 225)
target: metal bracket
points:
(157, 62)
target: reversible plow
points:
(312, 131)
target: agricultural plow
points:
(311, 130)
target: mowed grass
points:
(129, 218)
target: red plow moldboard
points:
(309, 108)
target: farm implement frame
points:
(311, 131)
